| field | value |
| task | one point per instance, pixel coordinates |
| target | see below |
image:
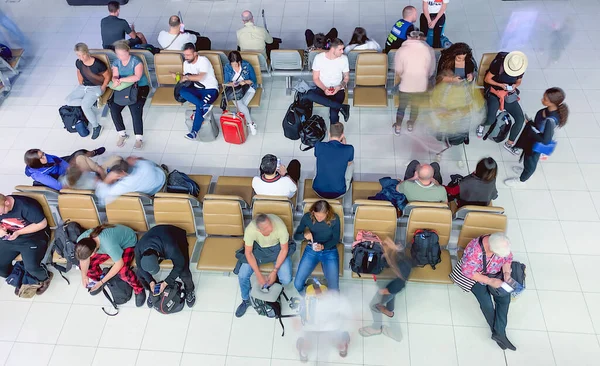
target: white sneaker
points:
(121, 140)
(517, 169)
(252, 129)
(514, 183)
(138, 144)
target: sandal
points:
(369, 331)
(376, 309)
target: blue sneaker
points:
(192, 135)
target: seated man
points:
(331, 74)
(423, 182)
(131, 175)
(114, 29)
(24, 231)
(160, 243)
(174, 39)
(334, 164)
(253, 37)
(204, 90)
(275, 179)
(266, 241)
(401, 29)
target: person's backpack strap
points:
(112, 302)
(480, 240)
(173, 41)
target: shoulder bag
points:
(124, 94)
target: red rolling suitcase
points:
(233, 125)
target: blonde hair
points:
(83, 48)
(122, 45)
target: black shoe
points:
(140, 299)
(241, 310)
(96, 132)
(165, 167)
(190, 299)
(503, 341)
(149, 302)
(100, 150)
(345, 112)
(501, 345)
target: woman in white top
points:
(360, 41)
(434, 17)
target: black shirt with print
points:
(25, 211)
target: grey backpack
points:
(500, 129)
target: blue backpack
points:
(178, 182)
(5, 52)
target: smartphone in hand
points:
(156, 290)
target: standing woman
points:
(129, 69)
(541, 131)
(95, 246)
(434, 17)
(238, 74)
(321, 227)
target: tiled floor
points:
(553, 223)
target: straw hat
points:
(515, 63)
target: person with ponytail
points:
(540, 130)
(95, 246)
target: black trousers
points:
(293, 170)
(412, 168)
(32, 251)
(136, 110)
(530, 161)
(496, 317)
(334, 102)
(437, 29)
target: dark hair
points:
(86, 246)
(486, 169)
(113, 6)
(261, 218)
(336, 42)
(32, 158)
(268, 164)
(322, 206)
(448, 57)
(557, 97)
(359, 36)
(336, 129)
(120, 167)
(319, 42)
(235, 56)
(174, 21)
(189, 46)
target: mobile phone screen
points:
(507, 287)
(156, 289)
(509, 87)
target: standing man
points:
(160, 243)
(401, 29)
(415, 64)
(335, 164)
(434, 17)
(204, 90)
(266, 241)
(24, 231)
(114, 28)
(174, 39)
(253, 37)
(331, 73)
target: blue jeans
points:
(284, 274)
(200, 98)
(329, 259)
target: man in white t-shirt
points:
(331, 74)
(434, 17)
(275, 179)
(204, 90)
(175, 39)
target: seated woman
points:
(360, 41)
(238, 73)
(458, 59)
(321, 228)
(479, 187)
(95, 246)
(46, 169)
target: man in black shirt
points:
(114, 28)
(24, 230)
(160, 243)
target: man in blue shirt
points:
(401, 29)
(334, 164)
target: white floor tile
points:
(574, 206)
(190, 359)
(526, 313)
(218, 292)
(532, 348)
(29, 354)
(38, 327)
(465, 309)
(543, 236)
(72, 356)
(563, 345)
(328, 348)
(474, 344)
(580, 237)
(246, 361)
(428, 304)
(208, 333)
(548, 278)
(576, 320)
(166, 336)
(542, 210)
(564, 176)
(93, 317)
(156, 357)
(5, 351)
(285, 347)
(382, 350)
(593, 304)
(427, 337)
(107, 356)
(12, 316)
(115, 335)
(259, 345)
(585, 266)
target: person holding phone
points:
(320, 227)
(498, 257)
(458, 59)
(239, 74)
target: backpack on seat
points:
(367, 257)
(170, 301)
(425, 248)
(312, 131)
(268, 303)
(500, 129)
(65, 238)
(178, 182)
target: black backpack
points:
(170, 301)
(178, 182)
(271, 309)
(500, 129)
(313, 130)
(65, 238)
(120, 290)
(425, 248)
(298, 112)
(367, 257)
(70, 116)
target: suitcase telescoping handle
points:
(234, 97)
